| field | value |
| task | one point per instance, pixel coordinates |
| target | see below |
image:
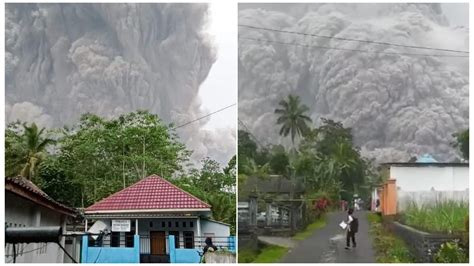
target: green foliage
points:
(54, 182)
(447, 216)
(106, 155)
(279, 163)
(25, 149)
(462, 143)
(292, 117)
(271, 254)
(451, 252)
(247, 255)
(309, 230)
(328, 159)
(388, 247)
(97, 157)
(215, 186)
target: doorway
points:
(157, 243)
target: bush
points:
(389, 248)
(451, 252)
(446, 216)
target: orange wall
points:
(388, 197)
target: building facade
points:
(423, 183)
(28, 206)
(143, 217)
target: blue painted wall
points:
(232, 244)
(110, 254)
(182, 255)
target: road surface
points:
(326, 245)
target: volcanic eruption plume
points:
(63, 60)
(397, 104)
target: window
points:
(169, 224)
(176, 238)
(184, 224)
(129, 239)
(191, 224)
(188, 239)
(163, 224)
(151, 224)
(176, 224)
(115, 239)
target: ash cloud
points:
(397, 105)
(63, 60)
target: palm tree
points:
(292, 117)
(34, 149)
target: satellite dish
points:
(97, 227)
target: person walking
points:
(352, 228)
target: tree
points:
(25, 150)
(214, 185)
(462, 143)
(292, 117)
(106, 155)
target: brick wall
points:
(422, 245)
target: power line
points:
(346, 49)
(197, 119)
(248, 131)
(355, 40)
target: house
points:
(421, 182)
(151, 221)
(26, 205)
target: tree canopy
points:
(98, 156)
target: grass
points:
(446, 216)
(268, 254)
(389, 248)
(247, 255)
(309, 230)
(271, 254)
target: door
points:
(157, 243)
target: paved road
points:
(327, 244)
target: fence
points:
(196, 242)
(108, 254)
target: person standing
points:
(352, 228)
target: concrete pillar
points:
(253, 208)
(268, 215)
(136, 227)
(199, 227)
(280, 216)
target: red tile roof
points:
(151, 193)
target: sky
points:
(220, 87)
(457, 14)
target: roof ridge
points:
(186, 192)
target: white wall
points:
(427, 184)
(211, 227)
(427, 178)
(20, 212)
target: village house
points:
(423, 181)
(26, 205)
(151, 221)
